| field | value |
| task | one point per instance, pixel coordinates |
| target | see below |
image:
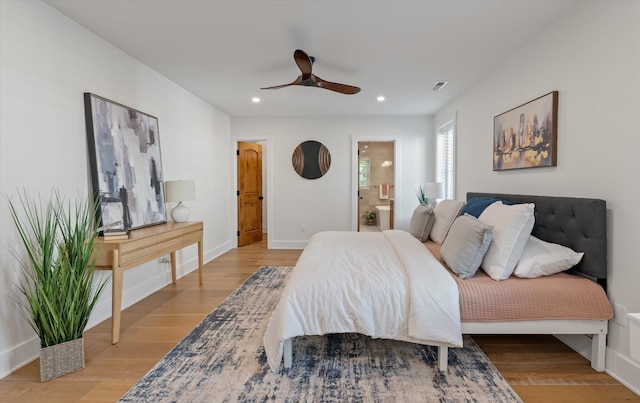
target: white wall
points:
(46, 63)
(591, 56)
(327, 203)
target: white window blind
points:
(445, 169)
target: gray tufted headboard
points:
(577, 223)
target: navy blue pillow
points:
(476, 205)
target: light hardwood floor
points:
(539, 368)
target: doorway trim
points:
(355, 139)
(234, 184)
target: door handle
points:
(260, 198)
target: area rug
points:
(223, 360)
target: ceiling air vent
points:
(438, 85)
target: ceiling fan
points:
(308, 79)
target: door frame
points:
(355, 139)
(268, 140)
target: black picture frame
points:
(125, 161)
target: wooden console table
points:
(144, 245)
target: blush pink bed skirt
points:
(560, 296)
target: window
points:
(363, 170)
(445, 169)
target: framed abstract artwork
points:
(126, 169)
(527, 136)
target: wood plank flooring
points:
(539, 368)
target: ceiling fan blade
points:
(297, 81)
(308, 79)
(303, 61)
(341, 88)
(275, 87)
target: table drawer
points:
(176, 233)
(138, 244)
(192, 237)
(138, 254)
(170, 244)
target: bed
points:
(348, 282)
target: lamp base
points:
(180, 213)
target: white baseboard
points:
(102, 311)
(142, 290)
(621, 368)
(217, 251)
(274, 244)
(624, 370)
(19, 356)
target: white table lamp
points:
(433, 191)
(179, 191)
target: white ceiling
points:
(224, 51)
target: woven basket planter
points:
(61, 359)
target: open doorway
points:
(376, 185)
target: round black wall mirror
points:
(311, 159)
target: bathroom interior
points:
(377, 189)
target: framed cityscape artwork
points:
(527, 136)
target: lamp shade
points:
(177, 191)
(434, 190)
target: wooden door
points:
(249, 193)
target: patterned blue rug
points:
(223, 360)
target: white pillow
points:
(445, 212)
(465, 245)
(541, 258)
(512, 226)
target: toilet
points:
(384, 216)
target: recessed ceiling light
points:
(255, 100)
(380, 98)
(439, 84)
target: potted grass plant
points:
(370, 216)
(57, 262)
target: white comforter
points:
(384, 285)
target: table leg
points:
(116, 298)
(173, 266)
(200, 260)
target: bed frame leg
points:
(287, 354)
(443, 355)
(598, 349)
